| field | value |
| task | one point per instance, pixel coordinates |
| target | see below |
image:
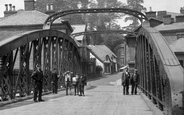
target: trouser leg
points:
(55, 88)
(82, 90)
(35, 93)
(75, 89)
(67, 90)
(40, 92)
(124, 90)
(136, 89)
(127, 88)
(133, 87)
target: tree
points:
(112, 40)
(135, 5)
(103, 21)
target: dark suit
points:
(54, 82)
(134, 82)
(125, 82)
(37, 76)
(82, 84)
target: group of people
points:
(127, 80)
(77, 82)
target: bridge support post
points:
(1, 74)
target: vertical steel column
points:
(143, 65)
(1, 76)
(46, 62)
(149, 70)
(37, 47)
(63, 60)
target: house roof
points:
(4, 34)
(173, 26)
(152, 18)
(101, 51)
(33, 17)
(178, 46)
(173, 15)
(78, 29)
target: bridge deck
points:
(103, 97)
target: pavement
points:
(103, 96)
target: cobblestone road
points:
(103, 96)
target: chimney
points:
(180, 18)
(151, 14)
(47, 7)
(10, 7)
(161, 14)
(29, 5)
(6, 5)
(182, 10)
(10, 11)
(167, 19)
(13, 8)
(50, 9)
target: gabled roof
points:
(101, 51)
(21, 18)
(173, 26)
(78, 29)
(152, 18)
(178, 46)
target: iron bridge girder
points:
(103, 32)
(48, 22)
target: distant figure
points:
(125, 81)
(74, 82)
(37, 76)
(82, 84)
(54, 81)
(67, 81)
(134, 82)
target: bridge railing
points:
(20, 54)
(161, 75)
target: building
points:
(178, 49)
(18, 22)
(171, 26)
(104, 57)
(121, 53)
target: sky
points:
(157, 5)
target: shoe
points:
(41, 100)
(35, 101)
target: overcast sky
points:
(157, 5)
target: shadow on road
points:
(91, 87)
(28, 102)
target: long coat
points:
(125, 78)
(37, 76)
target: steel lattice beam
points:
(103, 32)
(52, 18)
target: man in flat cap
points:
(37, 76)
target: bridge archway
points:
(161, 73)
(52, 18)
(20, 54)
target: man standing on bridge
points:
(55, 78)
(134, 82)
(37, 76)
(125, 81)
